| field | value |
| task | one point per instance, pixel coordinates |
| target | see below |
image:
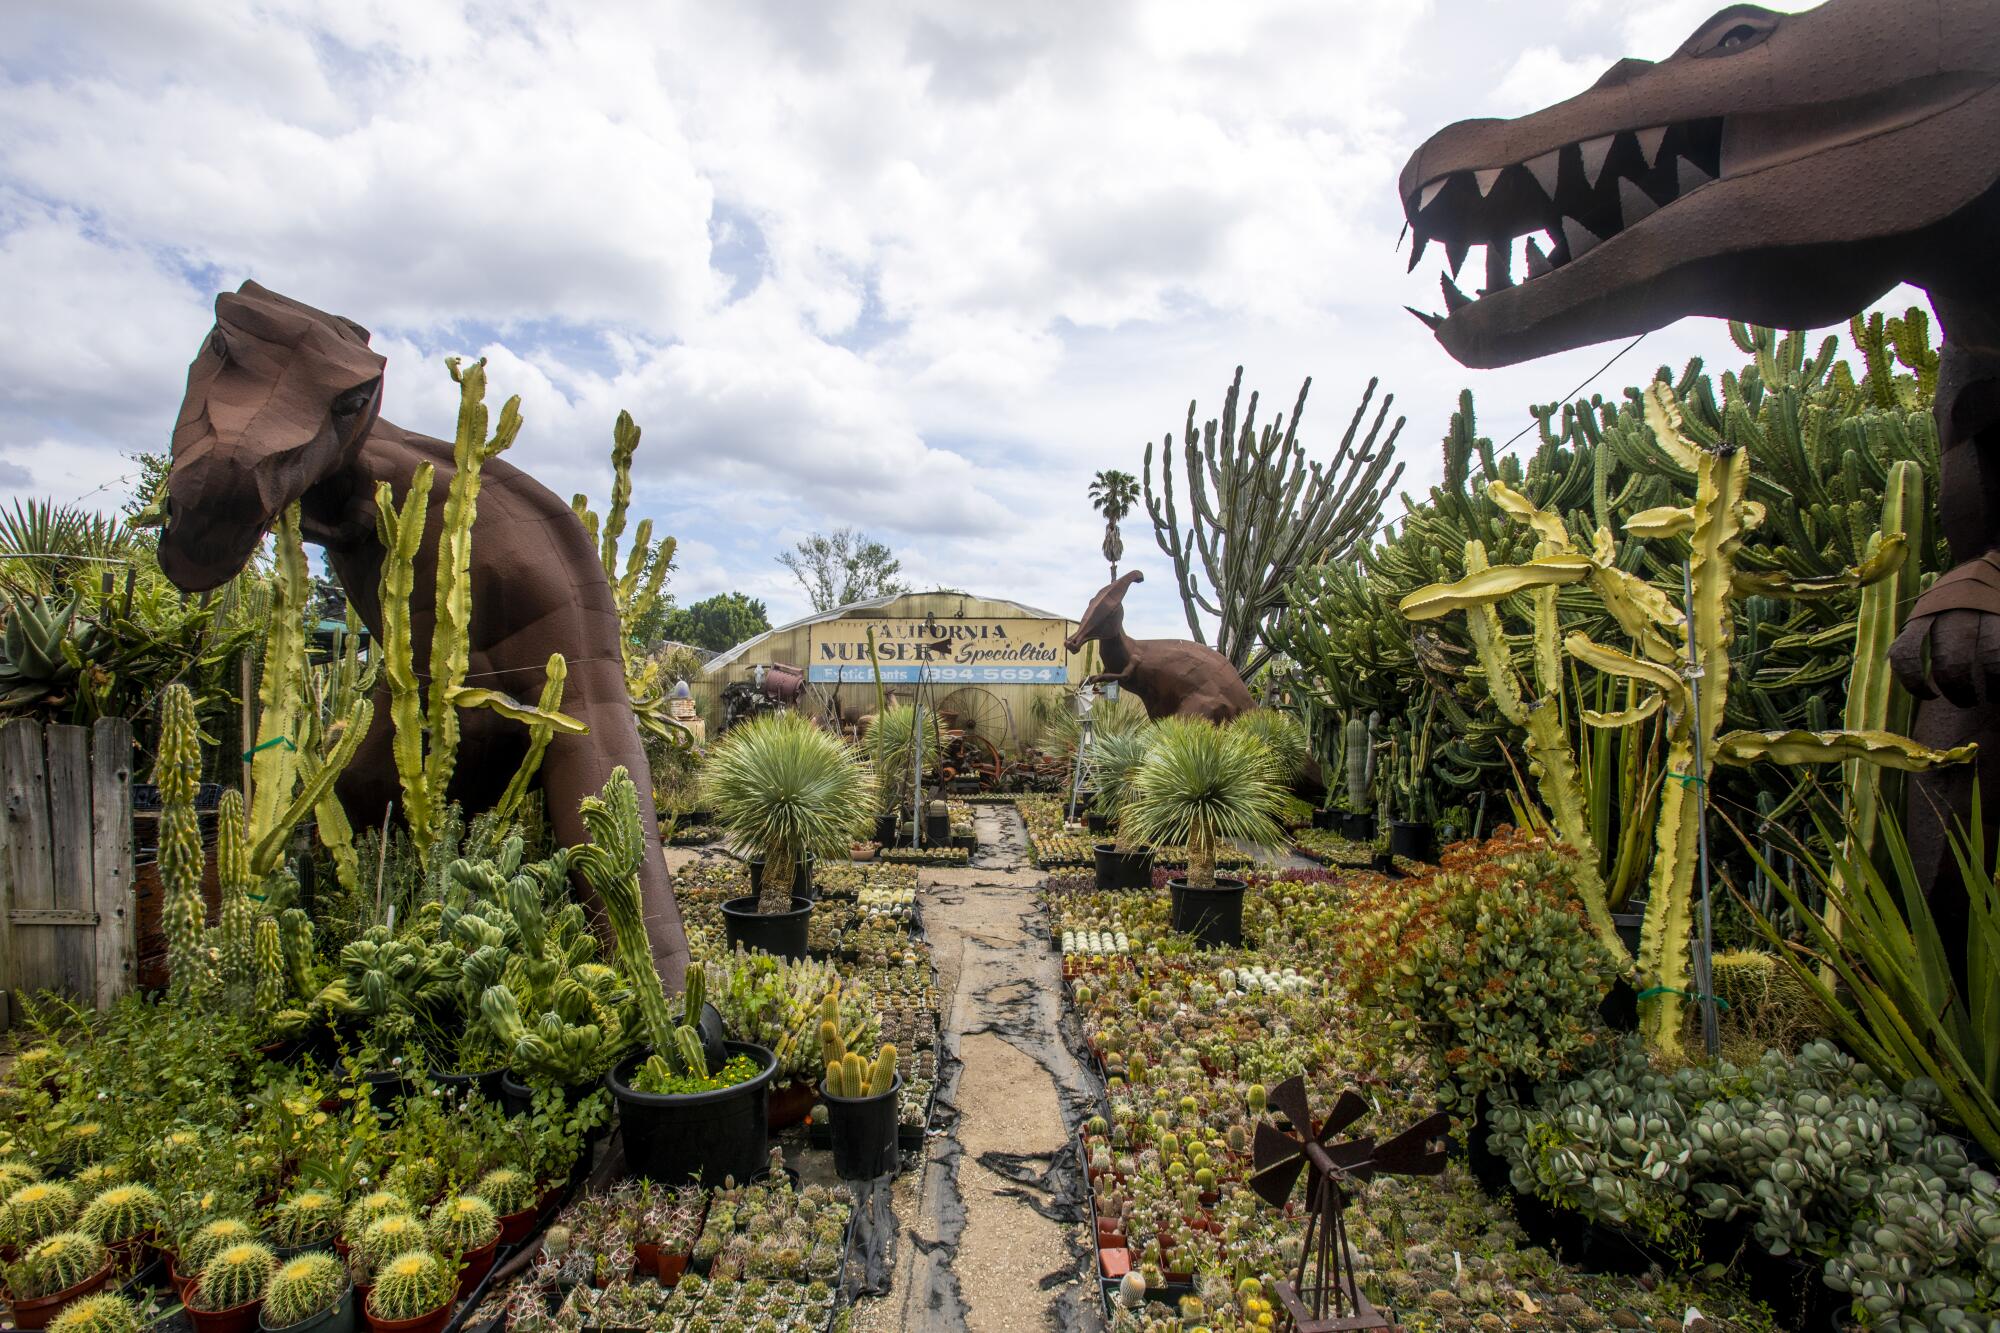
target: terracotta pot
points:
(181, 1282)
(36, 1312)
(236, 1319)
(517, 1227)
(646, 1257)
(789, 1105)
(475, 1266)
(423, 1323)
(1114, 1261)
(670, 1268)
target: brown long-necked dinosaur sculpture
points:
(1172, 677)
(1784, 170)
(282, 403)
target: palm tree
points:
(1112, 494)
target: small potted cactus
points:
(413, 1294)
(305, 1220)
(385, 1239)
(58, 1269)
(124, 1218)
(230, 1292)
(364, 1212)
(466, 1228)
(187, 1261)
(105, 1312)
(512, 1194)
(861, 1104)
(36, 1211)
(309, 1293)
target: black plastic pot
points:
(863, 1132)
(1629, 925)
(517, 1098)
(1412, 840)
(486, 1083)
(1096, 823)
(1213, 916)
(701, 1136)
(386, 1088)
(1792, 1287)
(937, 830)
(1359, 827)
(339, 1319)
(885, 830)
(1325, 819)
(1124, 870)
(780, 934)
(802, 885)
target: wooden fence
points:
(66, 862)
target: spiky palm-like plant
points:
(1283, 736)
(894, 740)
(1202, 784)
(1114, 765)
(788, 790)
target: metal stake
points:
(1704, 977)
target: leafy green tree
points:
(717, 622)
(843, 567)
(1112, 494)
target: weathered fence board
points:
(111, 848)
(24, 785)
(71, 863)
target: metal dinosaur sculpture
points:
(1785, 170)
(1172, 677)
(283, 404)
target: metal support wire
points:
(1704, 973)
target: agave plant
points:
(1202, 784)
(787, 790)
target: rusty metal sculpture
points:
(1172, 677)
(282, 405)
(1784, 170)
(1332, 1300)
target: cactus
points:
(369, 1209)
(882, 1074)
(176, 772)
(210, 1240)
(610, 865)
(37, 1210)
(238, 918)
(1355, 754)
(235, 1276)
(1131, 1291)
(387, 1237)
(56, 1263)
(122, 1213)
(268, 966)
(508, 1190)
(295, 940)
(303, 1287)
(106, 1312)
(637, 587)
(411, 1285)
(309, 1216)
(463, 1224)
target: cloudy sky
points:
(918, 268)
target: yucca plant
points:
(105, 1312)
(235, 1276)
(787, 790)
(1114, 764)
(1283, 737)
(1202, 785)
(413, 1284)
(303, 1287)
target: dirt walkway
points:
(992, 1227)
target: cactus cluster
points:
(412, 1284)
(508, 1190)
(847, 1074)
(303, 1287)
(387, 1237)
(211, 1239)
(177, 772)
(369, 1209)
(105, 1312)
(462, 1224)
(122, 1213)
(56, 1263)
(234, 1276)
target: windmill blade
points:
(1352, 1156)
(1279, 1158)
(1272, 1146)
(1418, 1150)
(1350, 1108)
(1290, 1098)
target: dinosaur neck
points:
(1115, 647)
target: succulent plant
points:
(105, 1312)
(122, 1213)
(370, 1208)
(411, 1285)
(508, 1190)
(462, 1224)
(303, 1287)
(15, 1173)
(305, 1217)
(40, 1208)
(56, 1263)
(210, 1240)
(387, 1237)
(235, 1275)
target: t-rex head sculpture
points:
(1774, 169)
(279, 396)
(1105, 616)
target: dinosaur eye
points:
(353, 400)
(1733, 31)
(217, 343)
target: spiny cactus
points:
(365, 1211)
(387, 1237)
(303, 1287)
(236, 1275)
(508, 1190)
(15, 1173)
(610, 865)
(211, 1240)
(237, 932)
(106, 1312)
(305, 1217)
(463, 1224)
(176, 772)
(57, 1263)
(851, 1076)
(268, 967)
(39, 1209)
(295, 938)
(122, 1213)
(413, 1284)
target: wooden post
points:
(117, 936)
(24, 792)
(72, 863)
(7, 969)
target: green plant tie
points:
(254, 750)
(1651, 991)
(1695, 778)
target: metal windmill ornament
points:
(1333, 1300)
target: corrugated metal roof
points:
(882, 609)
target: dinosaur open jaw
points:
(1564, 203)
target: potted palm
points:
(897, 746)
(1114, 759)
(787, 791)
(1202, 784)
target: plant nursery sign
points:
(946, 652)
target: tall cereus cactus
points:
(177, 772)
(268, 965)
(426, 727)
(1355, 747)
(636, 588)
(236, 933)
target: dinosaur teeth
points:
(1454, 254)
(1545, 170)
(1650, 142)
(1582, 240)
(1430, 192)
(1688, 176)
(1499, 267)
(1417, 250)
(1454, 299)
(1538, 263)
(1429, 321)
(1636, 204)
(1484, 179)
(1595, 153)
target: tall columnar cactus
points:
(268, 967)
(236, 933)
(1258, 511)
(295, 939)
(636, 588)
(1680, 663)
(426, 726)
(1354, 754)
(176, 772)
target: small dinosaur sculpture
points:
(1172, 677)
(282, 404)
(1785, 170)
